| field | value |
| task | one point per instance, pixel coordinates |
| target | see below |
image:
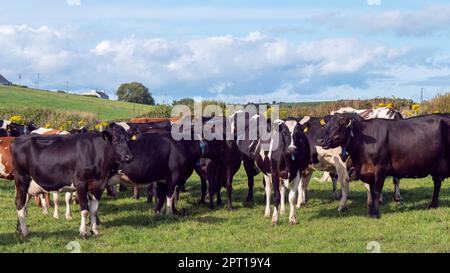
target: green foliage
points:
(135, 92)
(159, 111)
(49, 118)
(18, 98)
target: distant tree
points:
(135, 92)
(186, 101)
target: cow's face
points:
(212, 149)
(335, 132)
(119, 140)
(292, 136)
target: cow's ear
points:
(107, 136)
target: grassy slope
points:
(131, 226)
(108, 109)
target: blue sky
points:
(235, 51)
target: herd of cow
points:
(348, 144)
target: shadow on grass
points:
(413, 200)
(13, 238)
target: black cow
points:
(16, 130)
(3, 132)
(281, 158)
(219, 174)
(160, 158)
(410, 148)
(80, 162)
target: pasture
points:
(13, 97)
(132, 226)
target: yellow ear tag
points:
(323, 122)
(305, 130)
(133, 137)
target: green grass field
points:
(13, 97)
(131, 226)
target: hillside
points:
(14, 97)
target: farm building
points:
(4, 81)
(96, 93)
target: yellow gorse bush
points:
(17, 119)
(100, 126)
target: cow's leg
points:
(268, 189)
(22, 197)
(293, 187)
(172, 183)
(56, 201)
(397, 195)
(302, 189)
(336, 194)
(437, 188)
(93, 209)
(150, 194)
(211, 192)
(68, 199)
(375, 191)
(204, 188)
(229, 191)
(161, 192)
(282, 198)
(84, 208)
(219, 197)
(249, 169)
(276, 201)
(344, 179)
(122, 188)
(44, 204)
(369, 195)
(111, 191)
(136, 193)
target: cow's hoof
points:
(267, 214)
(219, 202)
(95, 233)
(433, 206)
(249, 198)
(398, 198)
(343, 208)
(25, 234)
(337, 196)
(68, 216)
(274, 222)
(56, 216)
(83, 235)
(45, 213)
(292, 222)
(229, 208)
(374, 216)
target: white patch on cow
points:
(68, 199)
(124, 125)
(283, 195)
(5, 123)
(93, 208)
(305, 120)
(2, 167)
(56, 201)
(170, 202)
(22, 213)
(291, 126)
(83, 229)
(293, 186)
(268, 189)
(41, 131)
(275, 216)
(34, 189)
(279, 121)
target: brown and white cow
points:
(6, 168)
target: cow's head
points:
(212, 149)
(290, 134)
(117, 136)
(336, 131)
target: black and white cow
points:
(281, 158)
(82, 162)
(380, 148)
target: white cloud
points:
(373, 2)
(232, 68)
(73, 2)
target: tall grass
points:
(440, 104)
(50, 118)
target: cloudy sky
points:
(232, 50)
